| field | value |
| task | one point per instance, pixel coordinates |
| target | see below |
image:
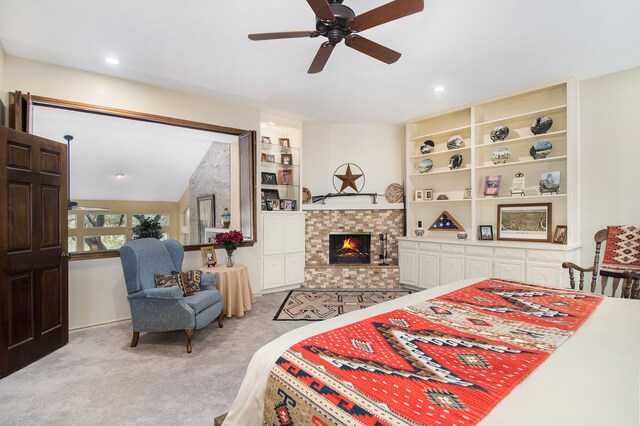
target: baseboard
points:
(276, 290)
(101, 324)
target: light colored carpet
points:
(98, 379)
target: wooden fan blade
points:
(289, 34)
(372, 49)
(322, 10)
(388, 12)
(321, 58)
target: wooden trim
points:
(84, 255)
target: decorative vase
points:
(226, 218)
(229, 258)
(419, 230)
(427, 147)
(425, 165)
(500, 155)
(541, 125)
(540, 149)
(455, 142)
(455, 161)
(500, 133)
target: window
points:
(112, 220)
(163, 219)
(72, 221)
(104, 242)
(71, 244)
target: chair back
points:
(143, 258)
(621, 256)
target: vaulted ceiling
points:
(475, 49)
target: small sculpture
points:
(455, 142)
(425, 165)
(442, 197)
(540, 150)
(500, 155)
(500, 133)
(541, 125)
(427, 147)
(462, 235)
(455, 161)
(419, 230)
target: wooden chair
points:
(629, 275)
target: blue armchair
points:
(165, 309)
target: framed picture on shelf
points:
(275, 204)
(287, 205)
(428, 194)
(266, 139)
(208, 256)
(286, 159)
(549, 182)
(419, 196)
(485, 232)
(560, 234)
(270, 194)
(467, 194)
(492, 186)
(264, 206)
(524, 222)
(267, 158)
(285, 177)
(269, 178)
(284, 142)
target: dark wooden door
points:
(33, 240)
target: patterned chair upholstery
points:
(165, 309)
(621, 262)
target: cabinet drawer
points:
(480, 251)
(510, 253)
(408, 245)
(450, 248)
(545, 256)
(428, 247)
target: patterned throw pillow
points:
(172, 280)
(190, 281)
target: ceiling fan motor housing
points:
(335, 32)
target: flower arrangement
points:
(229, 240)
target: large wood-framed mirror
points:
(125, 166)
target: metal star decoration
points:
(349, 179)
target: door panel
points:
(34, 272)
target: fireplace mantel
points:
(352, 206)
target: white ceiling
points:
(476, 49)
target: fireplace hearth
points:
(349, 248)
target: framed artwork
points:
(208, 256)
(285, 177)
(560, 234)
(284, 142)
(269, 178)
(266, 139)
(287, 205)
(517, 186)
(206, 215)
(419, 195)
(492, 186)
(286, 159)
(428, 194)
(549, 182)
(275, 204)
(270, 194)
(485, 232)
(445, 222)
(267, 158)
(524, 222)
(264, 206)
(467, 194)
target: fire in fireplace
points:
(350, 247)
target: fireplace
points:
(350, 248)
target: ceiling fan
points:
(338, 22)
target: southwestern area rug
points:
(318, 305)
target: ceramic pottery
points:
(425, 165)
(455, 142)
(419, 230)
(540, 149)
(462, 236)
(500, 133)
(427, 147)
(500, 155)
(541, 125)
(442, 197)
(455, 161)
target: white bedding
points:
(592, 379)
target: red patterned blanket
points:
(622, 251)
(448, 360)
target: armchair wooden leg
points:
(134, 339)
(220, 318)
(189, 333)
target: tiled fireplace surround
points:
(320, 274)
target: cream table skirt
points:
(233, 283)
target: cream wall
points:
(91, 282)
(610, 155)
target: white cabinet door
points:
(428, 269)
(294, 268)
(293, 233)
(509, 269)
(479, 267)
(273, 271)
(451, 268)
(273, 231)
(544, 274)
(408, 267)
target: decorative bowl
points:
(462, 235)
(455, 142)
(442, 197)
(455, 161)
(540, 150)
(425, 165)
(500, 155)
(500, 133)
(427, 147)
(541, 125)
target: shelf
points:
(441, 201)
(269, 185)
(524, 115)
(521, 163)
(276, 148)
(444, 132)
(270, 165)
(466, 169)
(550, 135)
(516, 198)
(432, 154)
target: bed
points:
(593, 378)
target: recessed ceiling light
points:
(111, 60)
(119, 175)
(438, 88)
